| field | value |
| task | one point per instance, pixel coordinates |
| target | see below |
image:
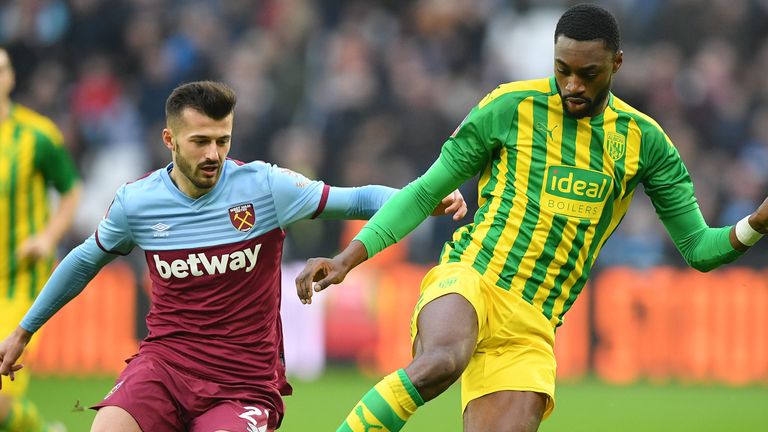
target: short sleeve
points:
(113, 234)
(666, 180)
(295, 196)
(54, 161)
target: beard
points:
(591, 106)
(193, 174)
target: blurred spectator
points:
(376, 87)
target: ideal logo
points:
(577, 184)
(575, 191)
(199, 264)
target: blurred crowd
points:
(362, 91)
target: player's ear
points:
(168, 138)
(618, 59)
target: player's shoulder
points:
(234, 165)
(139, 189)
(515, 90)
(38, 123)
(644, 122)
(238, 170)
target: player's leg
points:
(114, 419)
(447, 335)
(505, 411)
(142, 400)
(233, 416)
(446, 339)
(509, 383)
(445, 330)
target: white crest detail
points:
(249, 415)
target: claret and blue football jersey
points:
(214, 263)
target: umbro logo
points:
(160, 229)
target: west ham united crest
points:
(242, 217)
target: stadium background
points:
(356, 92)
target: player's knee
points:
(440, 367)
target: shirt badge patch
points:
(615, 144)
(242, 217)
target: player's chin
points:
(578, 113)
(204, 182)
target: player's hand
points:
(453, 203)
(759, 219)
(317, 275)
(35, 248)
(10, 350)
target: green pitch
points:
(589, 406)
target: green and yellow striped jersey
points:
(32, 157)
(553, 188)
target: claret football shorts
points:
(515, 343)
(162, 398)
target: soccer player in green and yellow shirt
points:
(559, 160)
(32, 158)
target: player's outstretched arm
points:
(364, 201)
(705, 248)
(66, 282)
(433, 193)
(10, 350)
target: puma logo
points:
(543, 127)
(361, 415)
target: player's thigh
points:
(450, 310)
(232, 416)
(449, 323)
(516, 356)
(114, 419)
(148, 392)
(505, 411)
(445, 328)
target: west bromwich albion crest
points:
(615, 144)
(242, 217)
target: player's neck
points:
(184, 185)
(5, 108)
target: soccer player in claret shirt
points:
(212, 232)
(559, 160)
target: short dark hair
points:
(585, 22)
(214, 99)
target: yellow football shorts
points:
(13, 310)
(515, 343)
